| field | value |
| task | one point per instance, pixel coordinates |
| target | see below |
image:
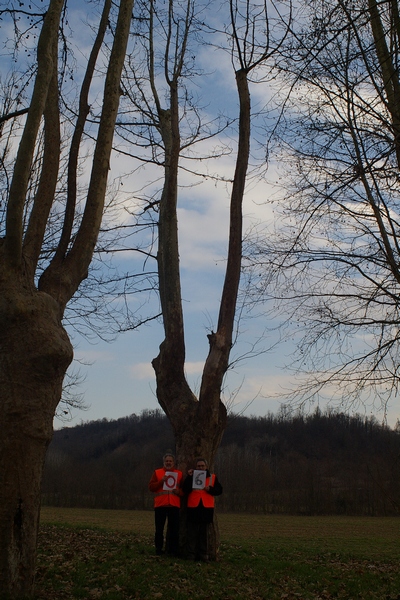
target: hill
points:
(323, 463)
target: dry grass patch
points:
(109, 555)
(139, 521)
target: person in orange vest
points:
(201, 487)
(165, 484)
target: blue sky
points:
(118, 377)
(120, 380)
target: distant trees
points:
(116, 460)
(333, 264)
(323, 463)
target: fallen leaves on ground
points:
(97, 564)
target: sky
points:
(117, 378)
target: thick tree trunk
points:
(34, 355)
(34, 348)
(197, 432)
(198, 437)
(198, 424)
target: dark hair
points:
(202, 460)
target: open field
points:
(104, 554)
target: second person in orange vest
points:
(201, 488)
(165, 484)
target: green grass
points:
(109, 555)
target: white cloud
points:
(142, 370)
(194, 368)
(94, 356)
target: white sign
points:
(199, 479)
(171, 481)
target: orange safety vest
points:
(196, 495)
(164, 497)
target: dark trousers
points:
(197, 541)
(161, 514)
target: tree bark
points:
(198, 424)
(35, 350)
(34, 355)
(47, 60)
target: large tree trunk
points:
(198, 424)
(35, 350)
(195, 433)
(199, 437)
(34, 355)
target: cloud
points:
(143, 370)
(94, 356)
(194, 368)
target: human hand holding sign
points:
(170, 481)
(199, 479)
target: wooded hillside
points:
(316, 464)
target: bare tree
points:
(169, 122)
(336, 246)
(35, 350)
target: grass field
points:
(109, 555)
